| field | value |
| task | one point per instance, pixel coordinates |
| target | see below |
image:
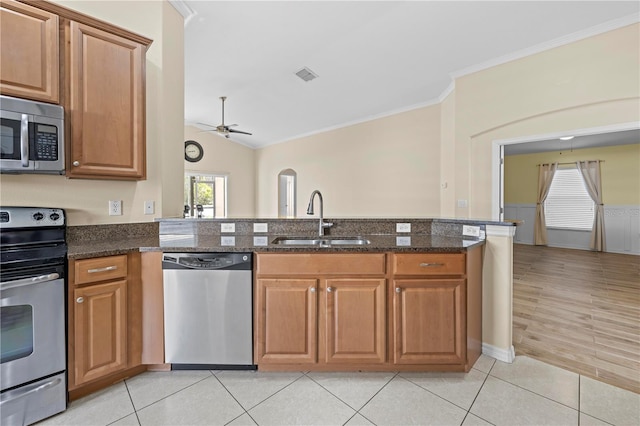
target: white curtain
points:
(545, 177)
(590, 171)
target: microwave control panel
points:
(46, 142)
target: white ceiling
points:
(625, 137)
(373, 58)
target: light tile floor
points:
(527, 392)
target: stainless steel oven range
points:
(32, 314)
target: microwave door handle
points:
(24, 140)
(28, 281)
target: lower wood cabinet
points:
(355, 320)
(429, 318)
(287, 322)
(100, 334)
(368, 311)
(310, 315)
(104, 321)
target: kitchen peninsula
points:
(409, 299)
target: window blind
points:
(568, 204)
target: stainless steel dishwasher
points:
(208, 310)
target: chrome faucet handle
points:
(327, 224)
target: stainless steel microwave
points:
(31, 137)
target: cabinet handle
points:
(329, 289)
(105, 269)
(398, 290)
(76, 163)
(312, 289)
(80, 299)
(430, 265)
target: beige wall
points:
(590, 83)
(221, 156)
(620, 173)
(388, 167)
(86, 201)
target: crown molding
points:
(561, 41)
(184, 10)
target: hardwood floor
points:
(579, 310)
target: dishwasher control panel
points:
(229, 261)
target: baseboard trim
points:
(504, 355)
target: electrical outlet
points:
(115, 208)
(462, 204)
(149, 207)
(470, 231)
(227, 227)
(260, 227)
(403, 227)
(227, 241)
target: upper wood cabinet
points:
(95, 70)
(29, 52)
(107, 105)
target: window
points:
(568, 204)
(205, 195)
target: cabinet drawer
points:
(429, 264)
(320, 264)
(100, 269)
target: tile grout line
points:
(478, 394)
(269, 397)
(234, 398)
(132, 404)
(536, 393)
(357, 411)
(167, 396)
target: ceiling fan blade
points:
(239, 131)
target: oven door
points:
(33, 332)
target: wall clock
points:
(193, 151)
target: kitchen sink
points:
(321, 241)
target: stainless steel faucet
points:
(322, 225)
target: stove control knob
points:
(38, 216)
(54, 216)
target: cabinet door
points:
(429, 316)
(107, 105)
(29, 52)
(355, 326)
(100, 330)
(286, 321)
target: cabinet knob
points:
(76, 163)
(312, 289)
(329, 289)
(80, 299)
(398, 290)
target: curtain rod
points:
(572, 162)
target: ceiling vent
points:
(306, 74)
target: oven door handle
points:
(28, 281)
(32, 390)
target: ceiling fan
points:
(224, 129)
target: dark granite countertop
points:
(263, 243)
